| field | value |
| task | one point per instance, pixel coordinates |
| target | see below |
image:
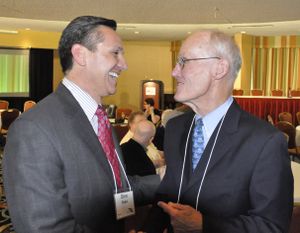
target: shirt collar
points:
(211, 120)
(87, 103)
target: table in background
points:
(296, 174)
(261, 106)
(1, 110)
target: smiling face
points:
(99, 68)
(106, 63)
(195, 78)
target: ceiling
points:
(157, 19)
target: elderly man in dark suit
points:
(227, 171)
(63, 168)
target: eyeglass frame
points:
(182, 60)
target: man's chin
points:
(178, 97)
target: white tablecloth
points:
(296, 173)
(1, 110)
(298, 135)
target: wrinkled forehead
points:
(197, 43)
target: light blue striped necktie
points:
(197, 142)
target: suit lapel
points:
(223, 144)
(83, 129)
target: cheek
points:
(198, 83)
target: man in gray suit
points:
(56, 174)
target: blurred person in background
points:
(151, 113)
(153, 153)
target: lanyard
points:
(123, 170)
(184, 160)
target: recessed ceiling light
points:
(8, 31)
(189, 32)
(27, 29)
(243, 32)
(136, 32)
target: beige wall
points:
(243, 81)
(30, 39)
(146, 60)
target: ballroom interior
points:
(267, 33)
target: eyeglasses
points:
(181, 60)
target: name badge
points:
(124, 204)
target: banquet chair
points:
(120, 130)
(237, 92)
(295, 93)
(257, 92)
(277, 92)
(28, 104)
(289, 129)
(285, 116)
(4, 104)
(298, 117)
(7, 117)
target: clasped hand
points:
(184, 218)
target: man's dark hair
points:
(81, 30)
(150, 101)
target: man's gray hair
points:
(225, 46)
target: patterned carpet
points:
(5, 224)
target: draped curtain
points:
(40, 73)
(14, 71)
(276, 64)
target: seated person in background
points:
(134, 151)
(151, 113)
(155, 155)
(167, 114)
(122, 119)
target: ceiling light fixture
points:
(8, 31)
(252, 26)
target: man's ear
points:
(222, 69)
(78, 52)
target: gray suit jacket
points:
(57, 178)
(248, 187)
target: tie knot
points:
(199, 122)
(100, 112)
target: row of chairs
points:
(258, 92)
(27, 104)
(9, 115)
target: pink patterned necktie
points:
(106, 140)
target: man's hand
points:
(184, 218)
